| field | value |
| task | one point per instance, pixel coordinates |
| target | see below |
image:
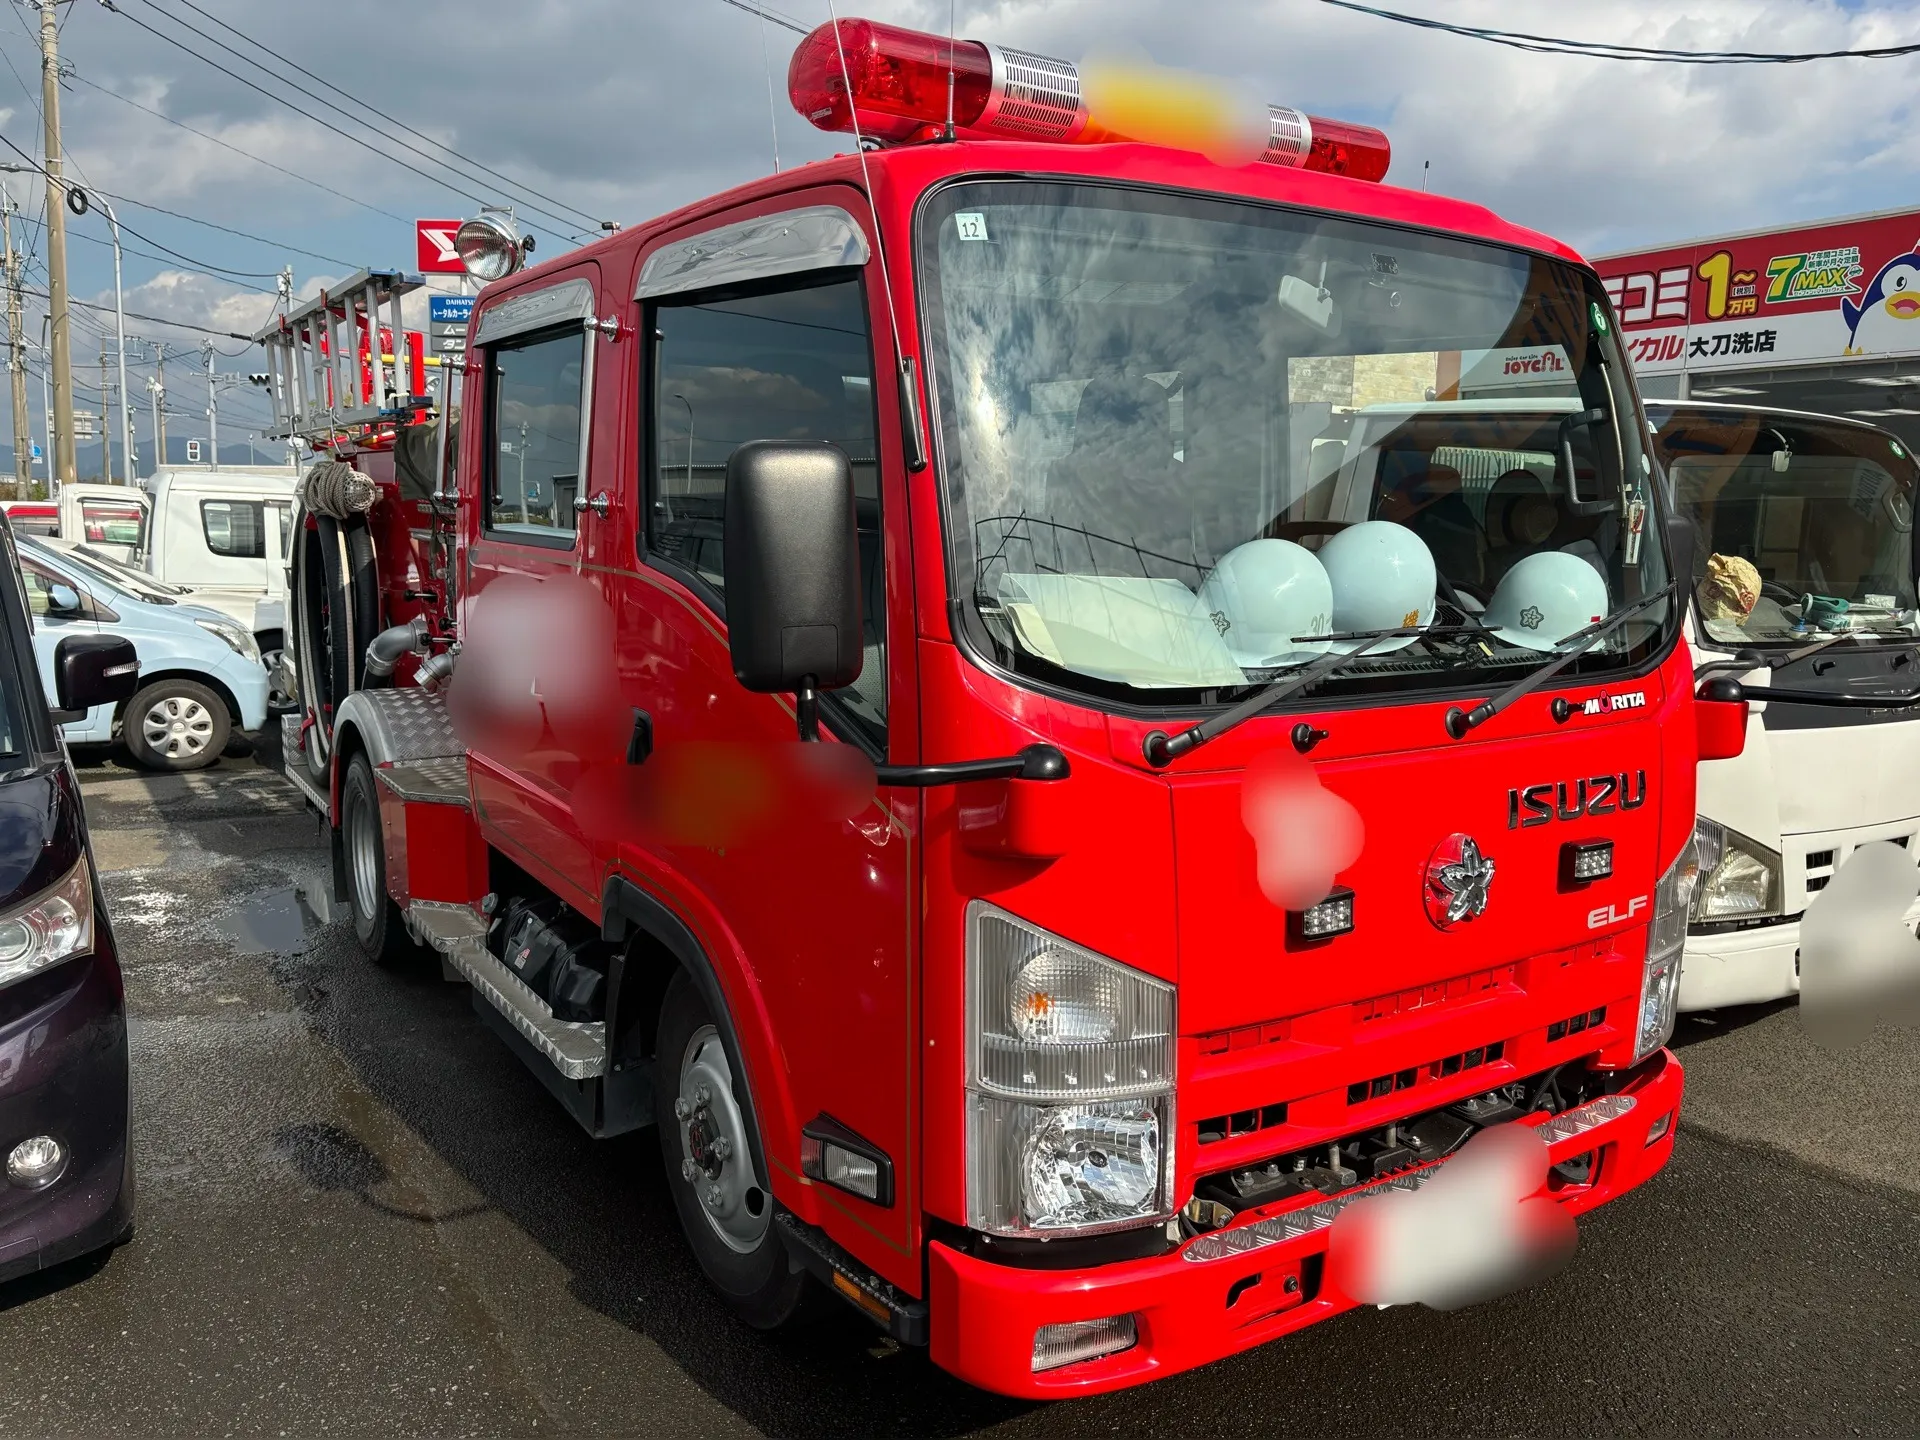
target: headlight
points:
(1739, 878)
(1050, 1021)
(238, 640)
(1666, 938)
(54, 925)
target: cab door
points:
(535, 626)
(803, 897)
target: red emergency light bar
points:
(899, 79)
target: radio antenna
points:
(952, 25)
(866, 176)
(773, 113)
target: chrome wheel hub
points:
(714, 1157)
(363, 856)
(177, 727)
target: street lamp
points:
(78, 202)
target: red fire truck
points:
(1054, 714)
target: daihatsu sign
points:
(1834, 291)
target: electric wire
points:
(1606, 50)
(520, 185)
(785, 21)
(227, 230)
(244, 154)
(568, 226)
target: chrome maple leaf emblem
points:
(1458, 879)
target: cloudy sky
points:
(623, 108)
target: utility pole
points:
(61, 360)
(155, 391)
(106, 420)
(17, 355)
(160, 411)
(213, 408)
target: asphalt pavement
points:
(359, 1214)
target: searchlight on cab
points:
(906, 84)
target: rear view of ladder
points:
(334, 363)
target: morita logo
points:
(1602, 704)
(1572, 799)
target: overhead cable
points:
(244, 154)
(568, 226)
(520, 185)
(1606, 50)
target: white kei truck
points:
(1804, 593)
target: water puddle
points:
(279, 922)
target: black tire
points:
(377, 923)
(273, 644)
(756, 1279)
(176, 725)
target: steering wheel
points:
(1781, 592)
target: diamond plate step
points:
(438, 781)
(577, 1049)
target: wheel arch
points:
(653, 941)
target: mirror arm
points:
(806, 710)
(65, 717)
(1035, 762)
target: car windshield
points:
(1185, 438)
(125, 578)
(1805, 524)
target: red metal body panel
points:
(985, 1315)
(838, 940)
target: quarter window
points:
(235, 528)
(533, 442)
(792, 365)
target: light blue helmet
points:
(1383, 578)
(1263, 596)
(1545, 598)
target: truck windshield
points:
(1805, 524)
(1136, 387)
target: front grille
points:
(1362, 1091)
(1818, 867)
(1241, 1122)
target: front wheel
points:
(709, 1145)
(377, 923)
(176, 725)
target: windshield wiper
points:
(1462, 722)
(1162, 749)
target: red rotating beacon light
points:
(899, 81)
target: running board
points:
(577, 1050)
(293, 765)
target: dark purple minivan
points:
(66, 1164)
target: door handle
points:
(640, 743)
(599, 504)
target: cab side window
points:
(533, 436)
(794, 364)
(235, 528)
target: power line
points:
(1606, 50)
(244, 154)
(229, 230)
(154, 320)
(784, 21)
(567, 226)
(522, 185)
(204, 266)
(174, 262)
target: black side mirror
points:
(90, 670)
(792, 564)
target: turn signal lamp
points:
(906, 84)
